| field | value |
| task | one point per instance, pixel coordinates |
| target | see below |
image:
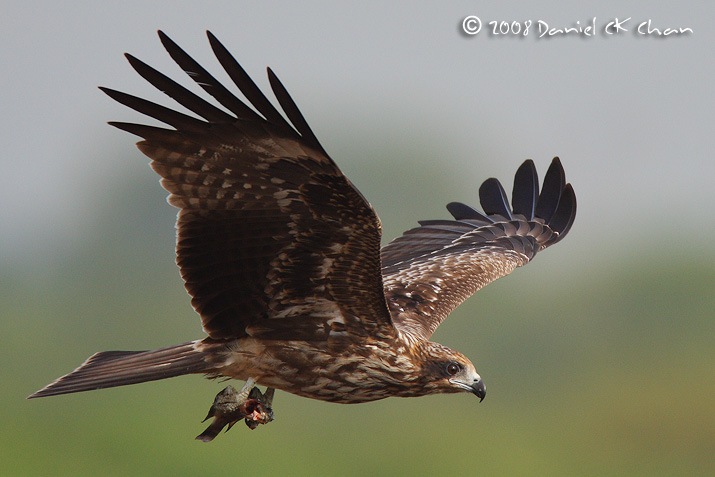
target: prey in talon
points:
(230, 406)
(262, 411)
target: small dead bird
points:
(230, 406)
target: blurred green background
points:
(598, 356)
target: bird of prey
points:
(281, 256)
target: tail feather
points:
(119, 368)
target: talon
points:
(261, 413)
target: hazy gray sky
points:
(630, 115)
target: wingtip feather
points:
(526, 190)
(462, 211)
(554, 183)
(565, 214)
(493, 198)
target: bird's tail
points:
(118, 368)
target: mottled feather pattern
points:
(431, 269)
(269, 228)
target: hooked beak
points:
(479, 389)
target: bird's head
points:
(449, 371)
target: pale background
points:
(598, 356)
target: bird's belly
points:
(313, 370)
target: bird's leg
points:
(245, 391)
(230, 406)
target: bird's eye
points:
(453, 368)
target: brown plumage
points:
(281, 254)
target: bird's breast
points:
(317, 370)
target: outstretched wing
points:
(431, 269)
(273, 240)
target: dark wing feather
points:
(177, 92)
(204, 79)
(493, 198)
(464, 212)
(244, 82)
(526, 190)
(291, 109)
(554, 183)
(431, 269)
(273, 240)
